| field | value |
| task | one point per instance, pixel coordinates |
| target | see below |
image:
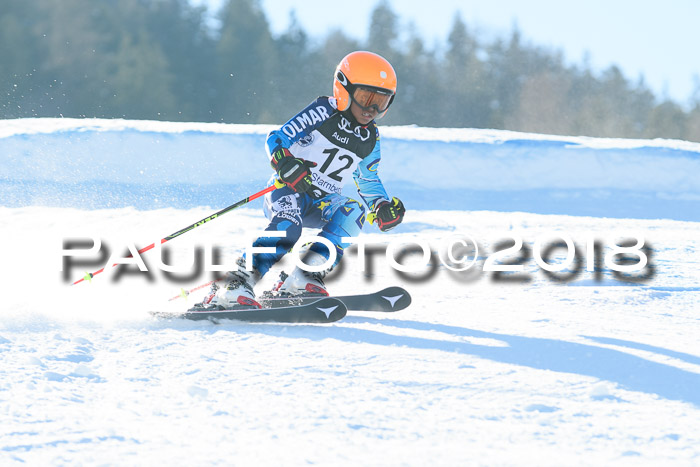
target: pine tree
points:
(294, 83)
(246, 60)
(465, 80)
(383, 30)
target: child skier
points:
(316, 153)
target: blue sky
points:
(657, 38)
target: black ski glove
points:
(294, 172)
(388, 215)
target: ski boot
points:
(236, 293)
(304, 283)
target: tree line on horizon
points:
(164, 60)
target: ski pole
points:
(277, 184)
(184, 293)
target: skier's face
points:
(363, 116)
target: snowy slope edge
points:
(92, 163)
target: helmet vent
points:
(382, 74)
(341, 77)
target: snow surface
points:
(476, 372)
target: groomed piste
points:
(484, 367)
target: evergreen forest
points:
(168, 60)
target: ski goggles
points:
(368, 97)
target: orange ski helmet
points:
(366, 78)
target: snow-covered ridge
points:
(92, 163)
(33, 126)
(29, 126)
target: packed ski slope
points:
(482, 369)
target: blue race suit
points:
(342, 149)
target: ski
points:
(324, 310)
(387, 300)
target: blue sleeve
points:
(301, 125)
(369, 185)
